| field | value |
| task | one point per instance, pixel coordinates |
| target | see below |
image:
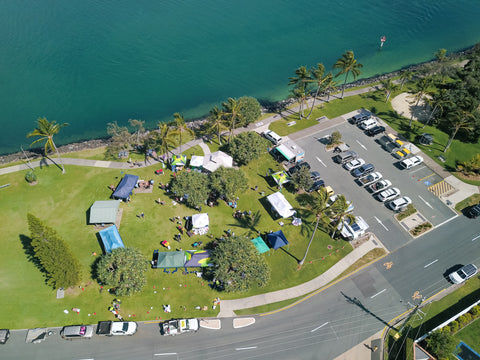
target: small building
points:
(217, 159)
(280, 205)
(196, 162)
(104, 212)
(290, 151)
(355, 230)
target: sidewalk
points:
(227, 307)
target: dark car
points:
(315, 175)
(363, 170)
(297, 167)
(375, 131)
(317, 185)
(474, 211)
(357, 119)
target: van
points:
(345, 156)
(273, 137)
(368, 124)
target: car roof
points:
(469, 269)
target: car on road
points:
(368, 124)
(359, 118)
(375, 130)
(388, 194)
(77, 332)
(179, 326)
(462, 274)
(380, 185)
(114, 328)
(363, 170)
(353, 164)
(474, 211)
(400, 203)
(411, 162)
(297, 167)
(4, 335)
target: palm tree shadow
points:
(45, 163)
(288, 253)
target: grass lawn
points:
(268, 307)
(470, 335)
(470, 201)
(62, 202)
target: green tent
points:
(170, 259)
(104, 212)
(178, 161)
(281, 177)
(260, 245)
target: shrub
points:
(454, 326)
(31, 177)
(475, 311)
(335, 138)
(447, 329)
(468, 318)
(462, 320)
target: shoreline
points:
(37, 152)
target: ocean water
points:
(91, 62)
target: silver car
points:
(77, 332)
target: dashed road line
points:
(359, 143)
(378, 220)
(433, 262)
(246, 348)
(371, 297)
(320, 161)
(476, 237)
(425, 201)
(319, 327)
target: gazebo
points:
(260, 244)
(216, 159)
(280, 205)
(104, 212)
(111, 239)
(178, 162)
(125, 187)
(277, 239)
(281, 178)
(168, 259)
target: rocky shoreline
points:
(196, 123)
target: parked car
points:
(113, 328)
(380, 185)
(317, 185)
(356, 119)
(354, 164)
(273, 137)
(388, 194)
(4, 335)
(411, 162)
(474, 211)
(345, 156)
(77, 332)
(363, 170)
(341, 147)
(400, 203)
(297, 167)
(315, 175)
(179, 326)
(464, 273)
(369, 179)
(375, 130)
(400, 154)
(368, 124)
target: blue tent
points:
(277, 239)
(124, 189)
(111, 238)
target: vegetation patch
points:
(470, 201)
(410, 210)
(420, 229)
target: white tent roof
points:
(213, 161)
(355, 230)
(280, 204)
(200, 220)
(196, 161)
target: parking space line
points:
(426, 177)
(420, 168)
(320, 161)
(371, 297)
(378, 220)
(359, 143)
(433, 262)
(246, 348)
(476, 237)
(426, 203)
(319, 327)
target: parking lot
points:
(413, 183)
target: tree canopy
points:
(302, 178)
(250, 109)
(228, 182)
(247, 146)
(238, 265)
(124, 270)
(193, 184)
(441, 343)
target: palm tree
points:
(298, 93)
(180, 128)
(388, 87)
(330, 85)
(301, 82)
(437, 103)
(318, 78)
(405, 76)
(459, 119)
(339, 213)
(420, 90)
(217, 122)
(232, 110)
(45, 130)
(318, 206)
(165, 139)
(347, 64)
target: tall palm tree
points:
(165, 138)
(339, 213)
(437, 103)
(459, 119)
(180, 128)
(318, 78)
(45, 130)
(388, 87)
(318, 206)
(300, 81)
(420, 90)
(138, 126)
(330, 85)
(216, 122)
(405, 76)
(232, 110)
(347, 64)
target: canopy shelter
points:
(200, 223)
(280, 205)
(197, 161)
(104, 212)
(168, 259)
(277, 239)
(198, 258)
(217, 159)
(125, 187)
(178, 161)
(281, 177)
(111, 238)
(260, 245)
(352, 231)
(291, 151)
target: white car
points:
(388, 194)
(368, 124)
(466, 272)
(411, 162)
(354, 164)
(399, 203)
(380, 185)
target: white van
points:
(273, 137)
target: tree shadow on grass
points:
(30, 254)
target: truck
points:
(379, 186)
(411, 162)
(114, 328)
(179, 326)
(369, 179)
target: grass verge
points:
(372, 255)
(267, 308)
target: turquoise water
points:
(90, 62)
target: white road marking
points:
(359, 143)
(320, 160)
(378, 220)
(165, 354)
(430, 206)
(420, 168)
(476, 237)
(446, 221)
(371, 297)
(319, 327)
(433, 262)
(246, 348)
(334, 331)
